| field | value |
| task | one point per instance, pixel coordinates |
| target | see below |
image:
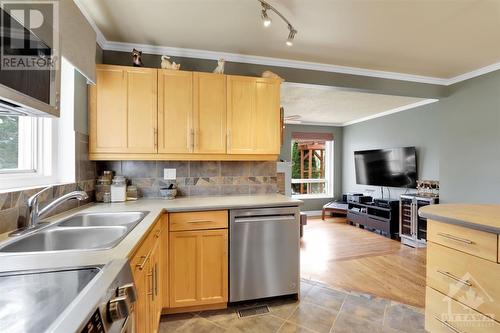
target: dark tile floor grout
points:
(322, 309)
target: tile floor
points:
(321, 310)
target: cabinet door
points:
(175, 111)
(142, 280)
(156, 301)
(209, 113)
(241, 92)
(267, 117)
(183, 268)
(213, 266)
(164, 261)
(108, 110)
(123, 110)
(198, 267)
(142, 111)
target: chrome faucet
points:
(34, 211)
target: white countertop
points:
(44, 260)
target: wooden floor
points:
(351, 258)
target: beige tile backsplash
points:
(198, 177)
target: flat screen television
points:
(394, 167)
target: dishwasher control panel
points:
(94, 324)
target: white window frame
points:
(328, 180)
(52, 161)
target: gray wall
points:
(417, 127)
(470, 141)
(317, 204)
(458, 139)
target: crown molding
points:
(279, 62)
(474, 73)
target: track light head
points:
(266, 20)
(291, 36)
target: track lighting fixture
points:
(266, 20)
(291, 35)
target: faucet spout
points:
(34, 211)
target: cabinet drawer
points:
(478, 243)
(469, 279)
(217, 219)
(445, 315)
(146, 245)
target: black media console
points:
(384, 218)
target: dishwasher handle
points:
(276, 218)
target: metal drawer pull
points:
(145, 258)
(157, 233)
(200, 221)
(453, 277)
(448, 325)
(290, 218)
(455, 238)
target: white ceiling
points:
(437, 38)
(334, 106)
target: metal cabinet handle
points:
(157, 233)
(192, 139)
(455, 278)
(455, 238)
(199, 221)
(448, 325)
(156, 279)
(150, 284)
(155, 137)
(141, 265)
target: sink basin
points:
(78, 238)
(128, 219)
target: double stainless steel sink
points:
(86, 231)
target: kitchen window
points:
(312, 165)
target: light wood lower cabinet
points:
(198, 267)
(146, 270)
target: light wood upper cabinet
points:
(123, 110)
(175, 111)
(209, 113)
(156, 114)
(241, 93)
(267, 121)
(253, 115)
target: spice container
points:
(103, 185)
(119, 189)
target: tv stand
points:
(372, 216)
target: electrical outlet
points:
(169, 174)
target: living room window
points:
(312, 165)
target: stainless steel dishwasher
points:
(264, 253)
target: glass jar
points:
(103, 185)
(119, 189)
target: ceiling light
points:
(266, 20)
(291, 36)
